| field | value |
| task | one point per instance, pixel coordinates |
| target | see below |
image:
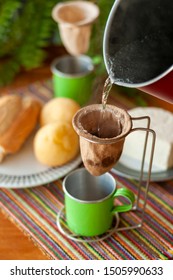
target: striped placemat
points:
(34, 211)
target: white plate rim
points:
(39, 178)
(126, 172)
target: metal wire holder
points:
(136, 207)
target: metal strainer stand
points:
(61, 222)
(137, 207)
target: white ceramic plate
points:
(130, 168)
(22, 170)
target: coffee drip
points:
(111, 128)
(106, 90)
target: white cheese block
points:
(162, 124)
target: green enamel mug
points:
(90, 202)
(72, 77)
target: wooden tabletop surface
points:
(14, 245)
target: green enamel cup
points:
(90, 200)
(73, 77)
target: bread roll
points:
(18, 118)
(58, 109)
(56, 143)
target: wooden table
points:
(13, 244)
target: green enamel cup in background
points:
(89, 202)
(73, 77)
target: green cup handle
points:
(127, 194)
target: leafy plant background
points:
(27, 29)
